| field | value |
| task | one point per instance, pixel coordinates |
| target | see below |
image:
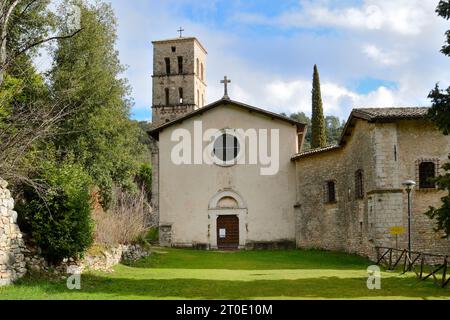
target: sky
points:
(370, 53)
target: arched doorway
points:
(227, 215)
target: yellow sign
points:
(396, 230)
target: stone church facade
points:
(344, 197)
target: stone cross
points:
(225, 82)
(181, 32)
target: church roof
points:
(154, 132)
(371, 115)
(390, 114)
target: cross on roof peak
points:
(225, 82)
(180, 31)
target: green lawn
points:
(189, 274)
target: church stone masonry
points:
(344, 197)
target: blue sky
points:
(370, 53)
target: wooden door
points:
(228, 232)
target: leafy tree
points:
(98, 132)
(24, 26)
(440, 114)
(59, 215)
(334, 129)
(318, 128)
(302, 117)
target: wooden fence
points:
(424, 265)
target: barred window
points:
(427, 172)
(359, 184)
(331, 191)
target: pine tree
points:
(318, 127)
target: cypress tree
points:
(318, 128)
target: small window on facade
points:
(174, 49)
(198, 68)
(167, 100)
(167, 61)
(180, 93)
(331, 192)
(180, 65)
(201, 71)
(203, 101)
(359, 184)
(427, 172)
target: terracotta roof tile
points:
(374, 114)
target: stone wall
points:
(422, 141)
(12, 260)
(386, 153)
(104, 259)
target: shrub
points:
(144, 179)
(125, 222)
(59, 217)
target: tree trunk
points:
(6, 9)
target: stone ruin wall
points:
(12, 259)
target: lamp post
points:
(409, 185)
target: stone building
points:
(351, 194)
(344, 197)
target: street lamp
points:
(409, 185)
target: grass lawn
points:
(189, 274)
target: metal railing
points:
(424, 265)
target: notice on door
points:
(222, 233)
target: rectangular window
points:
(167, 96)
(359, 184)
(180, 93)
(427, 172)
(174, 49)
(331, 192)
(180, 65)
(167, 61)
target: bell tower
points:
(179, 82)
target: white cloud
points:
(295, 96)
(382, 57)
(406, 17)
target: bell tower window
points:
(166, 90)
(180, 93)
(198, 68)
(167, 61)
(180, 65)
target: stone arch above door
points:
(227, 199)
(227, 203)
